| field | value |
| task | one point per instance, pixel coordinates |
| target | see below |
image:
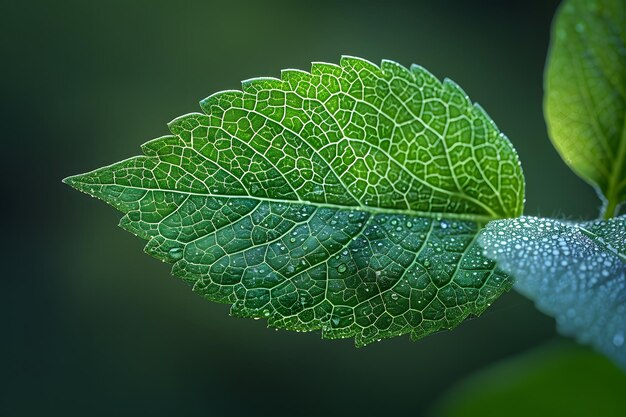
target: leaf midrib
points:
(476, 218)
(598, 240)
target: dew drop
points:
(618, 339)
(175, 253)
(342, 268)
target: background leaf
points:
(348, 199)
(585, 100)
(575, 272)
(580, 383)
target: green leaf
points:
(575, 272)
(585, 101)
(555, 380)
(347, 199)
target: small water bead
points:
(175, 253)
(342, 268)
(394, 296)
(618, 339)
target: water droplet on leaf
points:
(175, 253)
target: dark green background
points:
(92, 326)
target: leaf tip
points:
(79, 183)
(73, 181)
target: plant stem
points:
(609, 209)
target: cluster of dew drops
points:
(543, 250)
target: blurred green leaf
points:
(347, 199)
(557, 380)
(575, 272)
(585, 101)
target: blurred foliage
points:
(561, 379)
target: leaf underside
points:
(347, 199)
(575, 272)
(585, 101)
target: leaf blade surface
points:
(347, 199)
(575, 272)
(585, 100)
